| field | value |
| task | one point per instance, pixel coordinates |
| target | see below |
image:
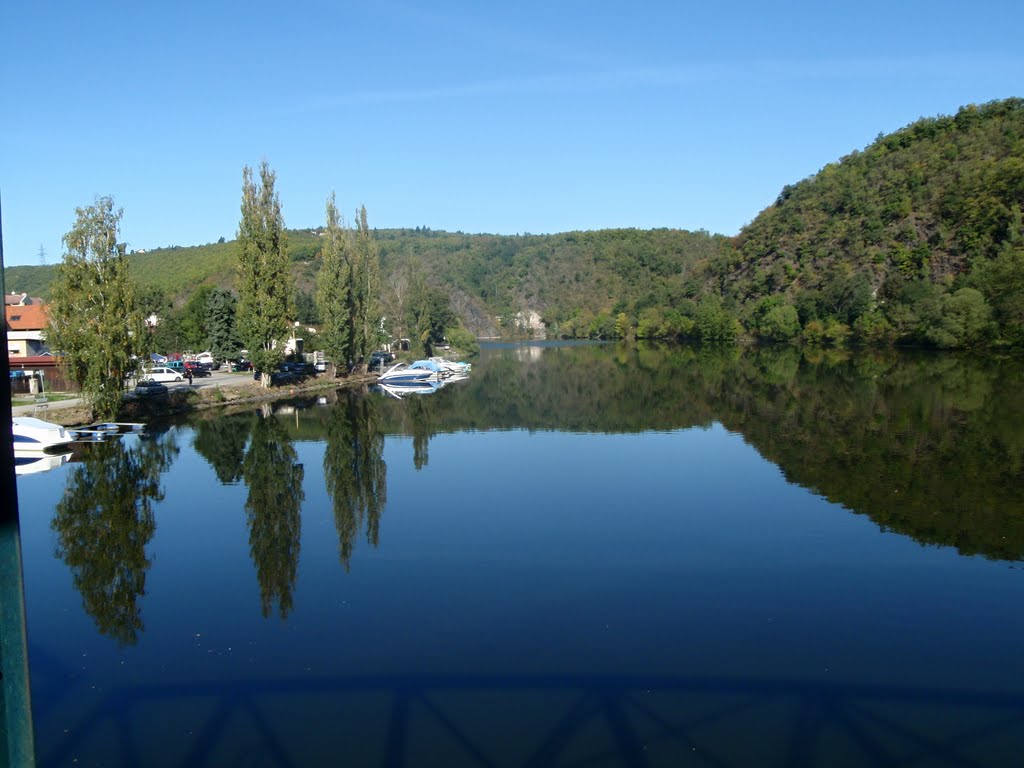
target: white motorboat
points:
(401, 373)
(32, 434)
(452, 365)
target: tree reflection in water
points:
(103, 524)
(274, 479)
(930, 445)
(221, 441)
(354, 470)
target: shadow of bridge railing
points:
(541, 721)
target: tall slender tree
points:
(334, 286)
(95, 324)
(366, 312)
(265, 284)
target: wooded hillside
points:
(916, 239)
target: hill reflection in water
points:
(583, 553)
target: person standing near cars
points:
(188, 375)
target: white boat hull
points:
(32, 434)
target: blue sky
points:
(504, 118)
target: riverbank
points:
(75, 413)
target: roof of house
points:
(31, 317)
(36, 361)
(16, 298)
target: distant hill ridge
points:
(918, 237)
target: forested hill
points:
(882, 239)
(570, 276)
(918, 239)
(572, 279)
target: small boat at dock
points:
(452, 366)
(403, 373)
(32, 434)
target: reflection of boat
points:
(35, 434)
(99, 432)
(401, 373)
(452, 365)
(399, 391)
(30, 462)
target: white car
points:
(161, 375)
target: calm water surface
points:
(581, 555)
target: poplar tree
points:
(265, 284)
(334, 286)
(95, 324)
(365, 309)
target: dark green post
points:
(16, 740)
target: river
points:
(582, 554)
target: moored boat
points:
(32, 434)
(401, 373)
(454, 366)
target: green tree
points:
(221, 334)
(152, 303)
(306, 310)
(365, 292)
(429, 311)
(264, 285)
(714, 323)
(780, 323)
(166, 336)
(622, 326)
(195, 318)
(965, 320)
(1002, 282)
(95, 322)
(334, 285)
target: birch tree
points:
(95, 324)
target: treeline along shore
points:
(915, 240)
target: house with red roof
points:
(25, 324)
(25, 321)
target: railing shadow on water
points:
(552, 720)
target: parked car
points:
(298, 367)
(379, 358)
(198, 369)
(149, 389)
(321, 366)
(240, 365)
(162, 375)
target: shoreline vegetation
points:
(915, 241)
(190, 400)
